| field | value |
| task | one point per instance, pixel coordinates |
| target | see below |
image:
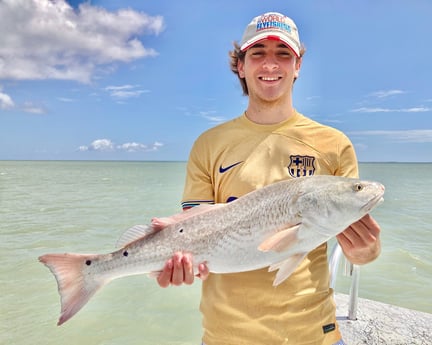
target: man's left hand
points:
(360, 242)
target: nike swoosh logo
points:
(222, 170)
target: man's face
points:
(269, 68)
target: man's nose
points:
(270, 63)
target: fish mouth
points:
(378, 199)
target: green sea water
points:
(84, 207)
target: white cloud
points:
(30, 108)
(137, 147)
(386, 93)
(102, 145)
(125, 91)
(389, 110)
(361, 146)
(406, 136)
(312, 98)
(106, 145)
(208, 115)
(6, 101)
(65, 99)
(132, 147)
(50, 40)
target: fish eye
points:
(358, 187)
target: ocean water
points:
(85, 206)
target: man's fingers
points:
(164, 278)
(363, 232)
(373, 227)
(203, 271)
(188, 269)
(178, 271)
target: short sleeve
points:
(198, 187)
(348, 165)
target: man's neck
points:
(268, 114)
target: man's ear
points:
(297, 67)
(240, 68)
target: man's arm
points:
(360, 242)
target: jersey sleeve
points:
(198, 187)
(348, 165)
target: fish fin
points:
(190, 212)
(161, 223)
(74, 287)
(154, 274)
(136, 232)
(280, 241)
(140, 231)
(286, 267)
(277, 265)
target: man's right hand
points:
(179, 270)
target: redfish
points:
(274, 226)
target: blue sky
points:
(140, 80)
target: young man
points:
(269, 142)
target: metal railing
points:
(350, 270)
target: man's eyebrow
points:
(261, 45)
(258, 45)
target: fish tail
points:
(75, 287)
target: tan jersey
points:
(231, 160)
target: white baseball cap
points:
(272, 25)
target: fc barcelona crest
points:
(301, 166)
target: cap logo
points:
(272, 21)
(271, 25)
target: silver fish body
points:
(274, 226)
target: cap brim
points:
(273, 36)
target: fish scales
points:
(274, 226)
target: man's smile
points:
(270, 78)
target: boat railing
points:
(350, 270)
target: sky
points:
(140, 79)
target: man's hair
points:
(236, 54)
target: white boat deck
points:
(381, 324)
(367, 322)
